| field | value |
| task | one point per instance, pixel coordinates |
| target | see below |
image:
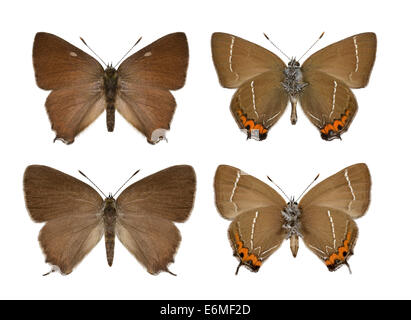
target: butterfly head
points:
(293, 63)
(110, 72)
(110, 199)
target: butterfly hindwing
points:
(255, 235)
(259, 103)
(330, 234)
(328, 103)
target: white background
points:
(204, 135)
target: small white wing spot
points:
(148, 53)
(73, 54)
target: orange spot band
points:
(244, 254)
(342, 252)
(337, 125)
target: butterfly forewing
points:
(237, 192)
(72, 211)
(255, 235)
(237, 60)
(346, 191)
(162, 64)
(58, 64)
(259, 103)
(349, 60)
(328, 103)
(146, 211)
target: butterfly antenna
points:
(126, 182)
(276, 46)
(307, 187)
(312, 46)
(93, 51)
(92, 183)
(279, 188)
(127, 52)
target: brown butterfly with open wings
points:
(139, 89)
(77, 217)
(322, 84)
(262, 220)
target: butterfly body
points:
(323, 218)
(142, 217)
(139, 89)
(110, 91)
(293, 84)
(291, 214)
(109, 219)
(322, 84)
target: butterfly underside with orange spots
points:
(262, 219)
(322, 84)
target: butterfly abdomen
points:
(109, 218)
(110, 90)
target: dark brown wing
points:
(71, 110)
(145, 79)
(77, 81)
(148, 109)
(72, 212)
(349, 60)
(147, 210)
(162, 64)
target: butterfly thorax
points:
(110, 91)
(291, 215)
(109, 219)
(293, 82)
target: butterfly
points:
(322, 84)
(262, 219)
(139, 89)
(77, 217)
